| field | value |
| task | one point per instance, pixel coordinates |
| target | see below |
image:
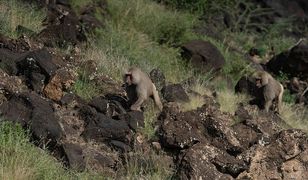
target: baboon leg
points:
(267, 105)
(136, 106)
(157, 99)
(280, 99)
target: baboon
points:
(271, 89)
(139, 88)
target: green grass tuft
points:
(16, 12)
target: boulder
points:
(203, 55)
(102, 128)
(36, 67)
(62, 27)
(293, 63)
(75, 157)
(158, 78)
(31, 110)
(174, 93)
(62, 80)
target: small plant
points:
(86, 89)
(229, 101)
(194, 103)
(150, 116)
(288, 97)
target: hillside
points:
(66, 114)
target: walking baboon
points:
(139, 88)
(271, 89)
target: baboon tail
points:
(156, 98)
(280, 98)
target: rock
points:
(11, 84)
(158, 78)
(37, 67)
(135, 119)
(281, 159)
(102, 128)
(90, 22)
(100, 104)
(31, 110)
(120, 145)
(62, 28)
(204, 161)
(203, 55)
(284, 8)
(180, 130)
(15, 45)
(102, 160)
(174, 93)
(61, 81)
(293, 63)
(74, 156)
(8, 61)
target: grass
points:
(150, 116)
(194, 103)
(147, 17)
(85, 89)
(140, 51)
(229, 101)
(146, 165)
(296, 116)
(14, 13)
(20, 159)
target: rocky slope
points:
(35, 82)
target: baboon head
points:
(261, 78)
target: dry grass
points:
(14, 13)
(194, 103)
(229, 101)
(145, 165)
(111, 65)
(296, 116)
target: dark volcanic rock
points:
(174, 93)
(134, 119)
(158, 78)
(62, 28)
(203, 55)
(16, 45)
(8, 61)
(74, 155)
(204, 161)
(37, 67)
(102, 128)
(293, 63)
(29, 109)
(100, 104)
